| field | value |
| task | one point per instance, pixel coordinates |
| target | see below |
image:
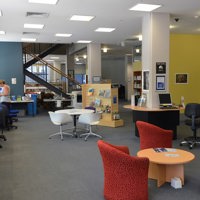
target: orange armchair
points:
(152, 136)
(125, 176)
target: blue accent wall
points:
(11, 66)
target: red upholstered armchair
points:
(152, 136)
(125, 176)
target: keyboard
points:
(169, 107)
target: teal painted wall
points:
(11, 66)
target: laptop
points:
(165, 100)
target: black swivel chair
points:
(192, 112)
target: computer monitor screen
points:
(165, 99)
(79, 98)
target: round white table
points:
(75, 112)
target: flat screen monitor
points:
(165, 99)
(79, 98)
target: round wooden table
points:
(166, 164)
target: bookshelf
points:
(137, 85)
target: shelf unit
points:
(108, 105)
(137, 83)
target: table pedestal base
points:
(164, 173)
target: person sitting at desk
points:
(4, 91)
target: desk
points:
(75, 112)
(58, 102)
(17, 104)
(164, 118)
(166, 165)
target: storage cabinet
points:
(105, 99)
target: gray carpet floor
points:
(33, 167)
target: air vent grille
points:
(30, 33)
(37, 14)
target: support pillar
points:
(155, 49)
(93, 61)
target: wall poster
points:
(160, 83)
(160, 67)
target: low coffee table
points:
(166, 164)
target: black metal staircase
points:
(42, 81)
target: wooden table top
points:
(140, 108)
(170, 156)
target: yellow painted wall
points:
(137, 66)
(185, 58)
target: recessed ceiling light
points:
(81, 18)
(37, 26)
(63, 35)
(53, 2)
(2, 32)
(28, 39)
(145, 7)
(140, 37)
(105, 29)
(54, 57)
(84, 41)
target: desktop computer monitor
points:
(165, 99)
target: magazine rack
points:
(105, 100)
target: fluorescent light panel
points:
(53, 2)
(81, 18)
(36, 26)
(54, 58)
(104, 29)
(63, 35)
(84, 41)
(145, 7)
(28, 39)
(2, 32)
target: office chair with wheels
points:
(192, 112)
(152, 136)
(125, 176)
(60, 119)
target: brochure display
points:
(105, 100)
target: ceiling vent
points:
(37, 14)
(30, 33)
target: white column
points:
(93, 61)
(155, 48)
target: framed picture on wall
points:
(160, 83)
(145, 82)
(160, 67)
(182, 78)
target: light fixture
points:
(63, 35)
(54, 57)
(84, 41)
(2, 32)
(145, 7)
(105, 50)
(137, 50)
(81, 18)
(36, 26)
(53, 2)
(104, 29)
(84, 56)
(77, 59)
(28, 39)
(140, 37)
